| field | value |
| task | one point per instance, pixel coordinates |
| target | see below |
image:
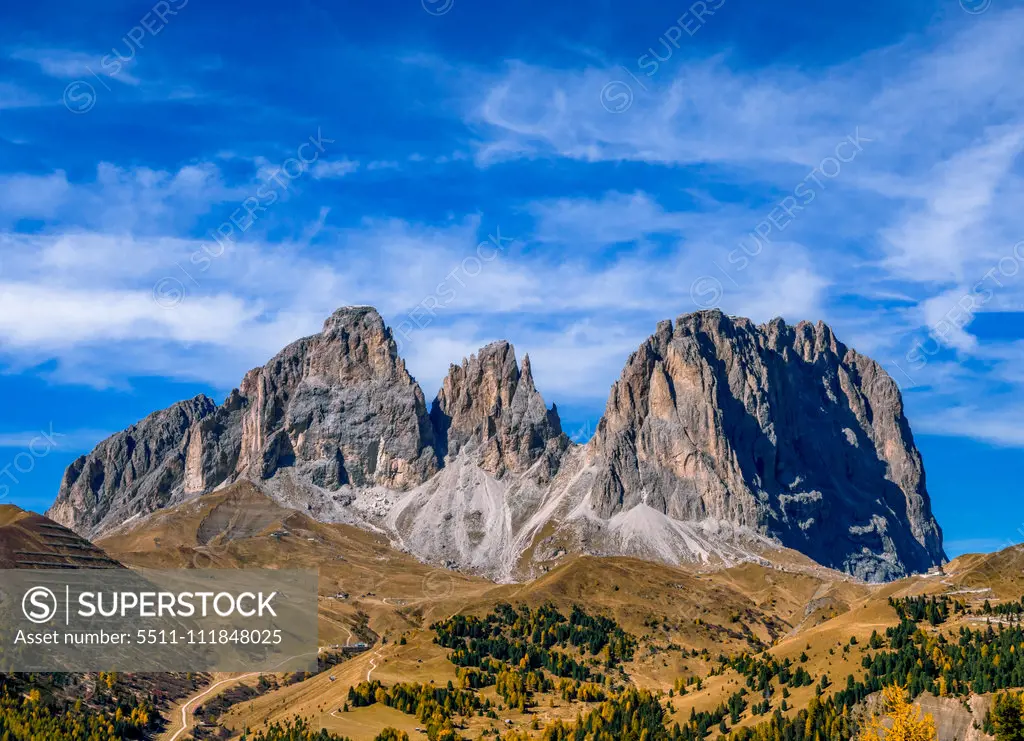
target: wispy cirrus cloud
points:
(119, 199)
(713, 110)
(922, 216)
(14, 96)
(328, 169)
(64, 64)
(642, 203)
(81, 440)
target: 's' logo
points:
(39, 605)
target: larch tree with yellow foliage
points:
(899, 720)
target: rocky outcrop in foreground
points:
(719, 439)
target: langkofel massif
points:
(720, 440)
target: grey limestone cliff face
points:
(133, 472)
(489, 405)
(778, 428)
(717, 428)
(339, 406)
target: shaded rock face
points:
(339, 406)
(489, 406)
(778, 428)
(719, 437)
(133, 472)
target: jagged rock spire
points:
(491, 405)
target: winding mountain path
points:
(373, 663)
(187, 717)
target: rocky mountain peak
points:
(339, 406)
(354, 345)
(526, 373)
(719, 433)
(358, 334)
(491, 405)
(779, 428)
(350, 316)
(133, 471)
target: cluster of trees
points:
(1010, 610)
(823, 718)
(435, 707)
(937, 609)
(977, 661)
(1005, 720)
(27, 715)
(509, 635)
(490, 655)
(933, 610)
(570, 690)
(516, 687)
(513, 648)
(634, 715)
(974, 661)
(301, 730)
(760, 671)
(638, 715)
(699, 724)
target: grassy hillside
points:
(690, 624)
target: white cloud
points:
(62, 440)
(935, 243)
(998, 426)
(617, 217)
(705, 111)
(936, 311)
(34, 316)
(331, 169)
(33, 197)
(140, 200)
(12, 96)
(71, 65)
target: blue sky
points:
(188, 186)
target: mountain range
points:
(721, 441)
